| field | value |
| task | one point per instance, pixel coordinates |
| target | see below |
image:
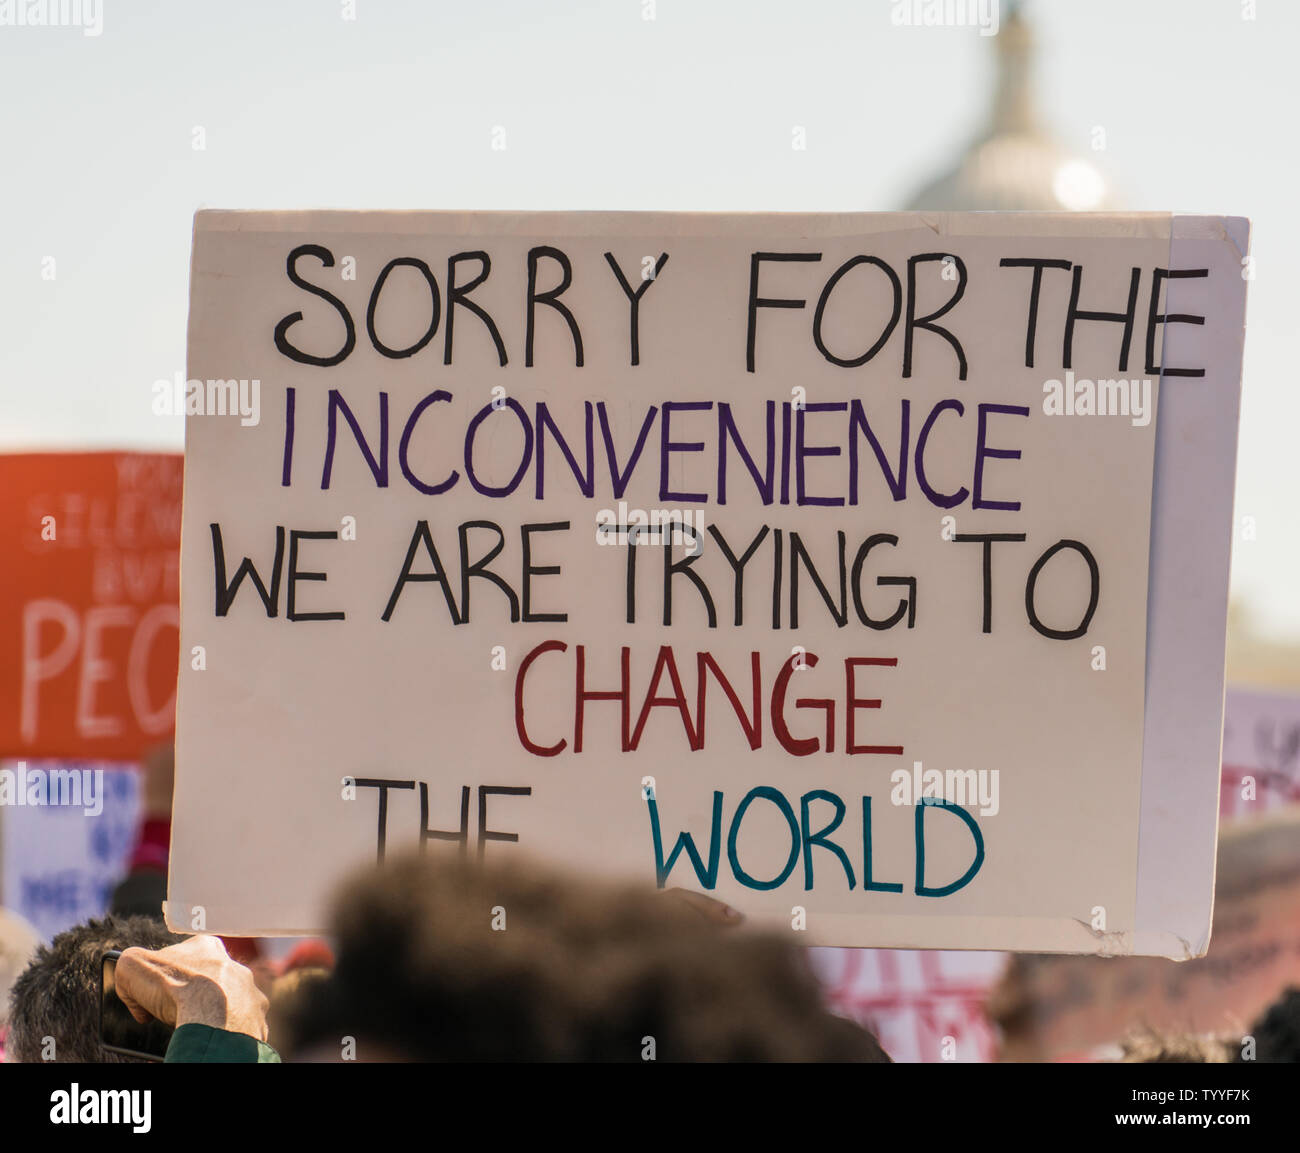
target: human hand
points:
(710, 908)
(194, 982)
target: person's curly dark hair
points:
(1277, 1032)
(581, 971)
(54, 1004)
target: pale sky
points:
(602, 109)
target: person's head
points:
(1277, 1032)
(438, 959)
(1151, 1048)
(54, 1005)
(286, 994)
(140, 894)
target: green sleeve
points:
(203, 1044)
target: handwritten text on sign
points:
(90, 611)
(701, 550)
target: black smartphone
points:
(119, 1032)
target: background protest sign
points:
(91, 603)
(1261, 751)
(61, 859)
(427, 598)
(923, 1004)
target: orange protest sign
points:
(89, 615)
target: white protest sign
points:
(882, 678)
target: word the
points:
(460, 835)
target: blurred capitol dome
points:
(1015, 165)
